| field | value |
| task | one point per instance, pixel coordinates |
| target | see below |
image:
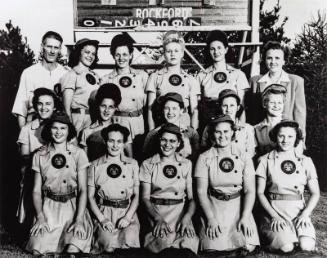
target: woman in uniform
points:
(218, 76)
(282, 175)
(80, 84)
(172, 78)
(45, 103)
(229, 103)
(113, 193)
(172, 107)
(107, 99)
(131, 83)
(226, 189)
(275, 56)
(62, 222)
(166, 180)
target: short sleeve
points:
(242, 81)
(23, 136)
(36, 166)
(104, 79)
(21, 101)
(201, 169)
(83, 137)
(145, 78)
(68, 81)
(188, 171)
(145, 172)
(262, 168)
(251, 142)
(248, 167)
(151, 83)
(194, 86)
(200, 77)
(310, 169)
(136, 177)
(82, 160)
(91, 176)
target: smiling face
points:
(275, 105)
(50, 50)
(172, 112)
(88, 54)
(107, 109)
(168, 144)
(173, 53)
(59, 132)
(217, 51)
(45, 106)
(229, 107)
(286, 138)
(275, 60)
(122, 57)
(115, 143)
(223, 134)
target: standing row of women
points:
(109, 119)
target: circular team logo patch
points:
(90, 79)
(175, 80)
(220, 77)
(170, 171)
(125, 81)
(288, 167)
(226, 165)
(114, 170)
(58, 161)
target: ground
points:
(8, 249)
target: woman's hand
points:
(124, 222)
(40, 227)
(185, 226)
(162, 228)
(244, 225)
(303, 220)
(78, 229)
(213, 228)
(278, 224)
(106, 224)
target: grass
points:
(9, 249)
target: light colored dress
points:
(114, 181)
(59, 176)
(225, 175)
(168, 181)
(286, 175)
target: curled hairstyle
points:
(212, 128)
(45, 92)
(292, 124)
(115, 128)
(178, 135)
(75, 55)
(52, 35)
(265, 98)
(46, 131)
(275, 45)
(121, 40)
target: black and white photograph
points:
(163, 128)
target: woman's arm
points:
(194, 112)
(67, 98)
(150, 99)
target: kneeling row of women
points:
(225, 186)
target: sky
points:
(35, 17)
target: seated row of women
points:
(65, 181)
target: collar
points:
(211, 68)
(283, 77)
(50, 148)
(165, 70)
(114, 73)
(156, 158)
(96, 124)
(35, 124)
(214, 153)
(79, 70)
(239, 125)
(274, 154)
(262, 124)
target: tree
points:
(308, 59)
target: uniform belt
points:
(286, 197)
(113, 203)
(159, 201)
(131, 113)
(59, 197)
(80, 111)
(222, 196)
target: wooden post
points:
(255, 66)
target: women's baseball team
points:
(163, 161)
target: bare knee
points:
(307, 243)
(250, 248)
(72, 249)
(287, 248)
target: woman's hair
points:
(75, 55)
(276, 89)
(45, 92)
(215, 35)
(119, 41)
(115, 128)
(173, 36)
(286, 123)
(59, 117)
(275, 45)
(173, 129)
